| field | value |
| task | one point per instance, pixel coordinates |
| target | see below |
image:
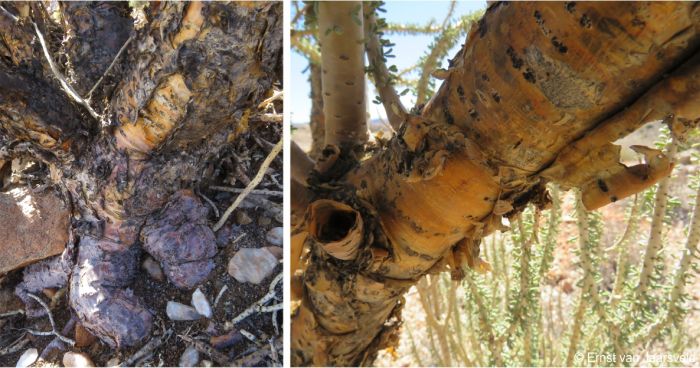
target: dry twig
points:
(53, 324)
(207, 349)
(147, 349)
(254, 191)
(259, 305)
(15, 346)
(253, 183)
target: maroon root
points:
(180, 239)
(99, 293)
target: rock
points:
(34, 226)
(201, 304)
(181, 312)
(114, 362)
(207, 363)
(190, 357)
(83, 337)
(252, 265)
(264, 221)
(71, 359)
(275, 236)
(276, 251)
(242, 218)
(180, 239)
(28, 358)
(153, 269)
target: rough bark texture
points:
(177, 95)
(532, 81)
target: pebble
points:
(252, 265)
(201, 304)
(71, 359)
(264, 221)
(153, 269)
(190, 357)
(276, 251)
(275, 236)
(114, 362)
(181, 312)
(207, 363)
(242, 218)
(28, 358)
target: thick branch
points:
(343, 73)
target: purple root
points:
(180, 239)
(100, 297)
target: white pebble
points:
(275, 236)
(201, 304)
(28, 358)
(181, 312)
(71, 359)
(252, 265)
(190, 357)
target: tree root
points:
(99, 296)
(180, 239)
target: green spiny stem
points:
(674, 308)
(656, 232)
(622, 254)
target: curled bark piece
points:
(627, 180)
(179, 238)
(99, 296)
(337, 227)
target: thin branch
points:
(306, 48)
(15, 346)
(119, 53)
(221, 294)
(395, 111)
(253, 183)
(241, 190)
(53, 331)
(268, 118)
(277, 95)
(211, 203)
(301, 164)
(61, 79)
(11, 313)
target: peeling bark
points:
(531, 81)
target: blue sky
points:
(408, 50)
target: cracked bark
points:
(180, 92)
(532, 81)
